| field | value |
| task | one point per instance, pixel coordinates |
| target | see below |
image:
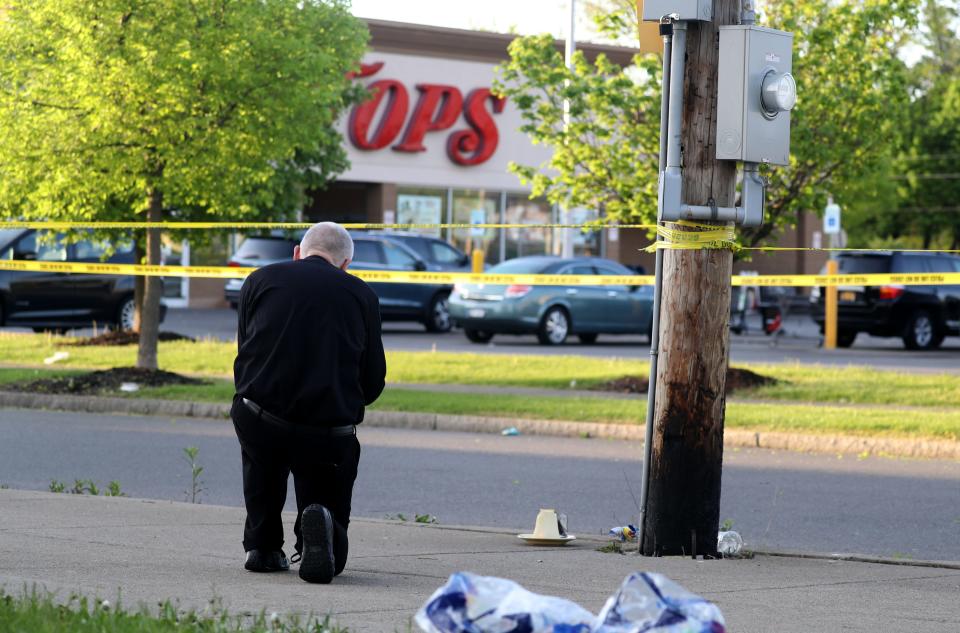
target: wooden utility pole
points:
(683, 502)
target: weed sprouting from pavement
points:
(196, 484)
(87, 487)
(613, 547)
(426, 518)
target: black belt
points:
(331, 431)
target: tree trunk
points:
(150, 312)
(683, 502)
(139, 284)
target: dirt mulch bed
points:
(125, 337)
(737, 379)
(103, 381)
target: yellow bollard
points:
(830, 313)
(477, 256)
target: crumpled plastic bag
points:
(653, 602)
(469, 603)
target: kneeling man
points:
(309, 359)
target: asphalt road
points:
(782, 500)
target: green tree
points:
(171, 109)
(852, 96)
(929, 177)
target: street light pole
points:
(566, 235)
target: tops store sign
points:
(438, 108)
(434, 122)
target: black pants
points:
(324, 469)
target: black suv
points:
(60, 301)
(921, 315)
(426, 303)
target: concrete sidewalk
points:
(153, 550)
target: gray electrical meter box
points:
(701, 10)
(755, 94)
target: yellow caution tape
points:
(63, 226)
(708, 236)
(443, 278)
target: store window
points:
(422, 206)
(477, 207)
(585, 244)
(535, 240)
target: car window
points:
(577, 269)
(864, 265)
(43, 250)
(7, 236)
(907, 263)
(97, 251)
(524, 265)
(443, 253)
(605, 269)
(367, 252)
(940, 265)
(264, 248)
(396, 256)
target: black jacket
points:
(308, 343)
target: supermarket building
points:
(434, 146)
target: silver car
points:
(553, 312)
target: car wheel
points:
(126, 314)
(588, 338)
(921, 331)
(478, 336)
(438, 315)
(554, 327)
(845, 338)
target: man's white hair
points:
(327, 239)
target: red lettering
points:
(391, 122)
(365, 70)
(476, 145)
(437, 109)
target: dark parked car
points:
(921, 315)
(553, 312)
(425, 303)
(60, 301)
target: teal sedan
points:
(552, 312)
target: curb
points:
(851, 444)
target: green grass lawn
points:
(805, 418)
(36, 613)
(798, 383)
(795, 403)
(867, 421)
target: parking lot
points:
(798, 342)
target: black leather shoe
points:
(316, 525)
(261, 561)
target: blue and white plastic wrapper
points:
(644, 602)
(653, 602)
(469, 603)
(624, 533)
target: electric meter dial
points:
(778, 94)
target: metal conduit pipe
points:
(666, 28)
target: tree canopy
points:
(227, 108)
(852, 91)
(171, 109)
